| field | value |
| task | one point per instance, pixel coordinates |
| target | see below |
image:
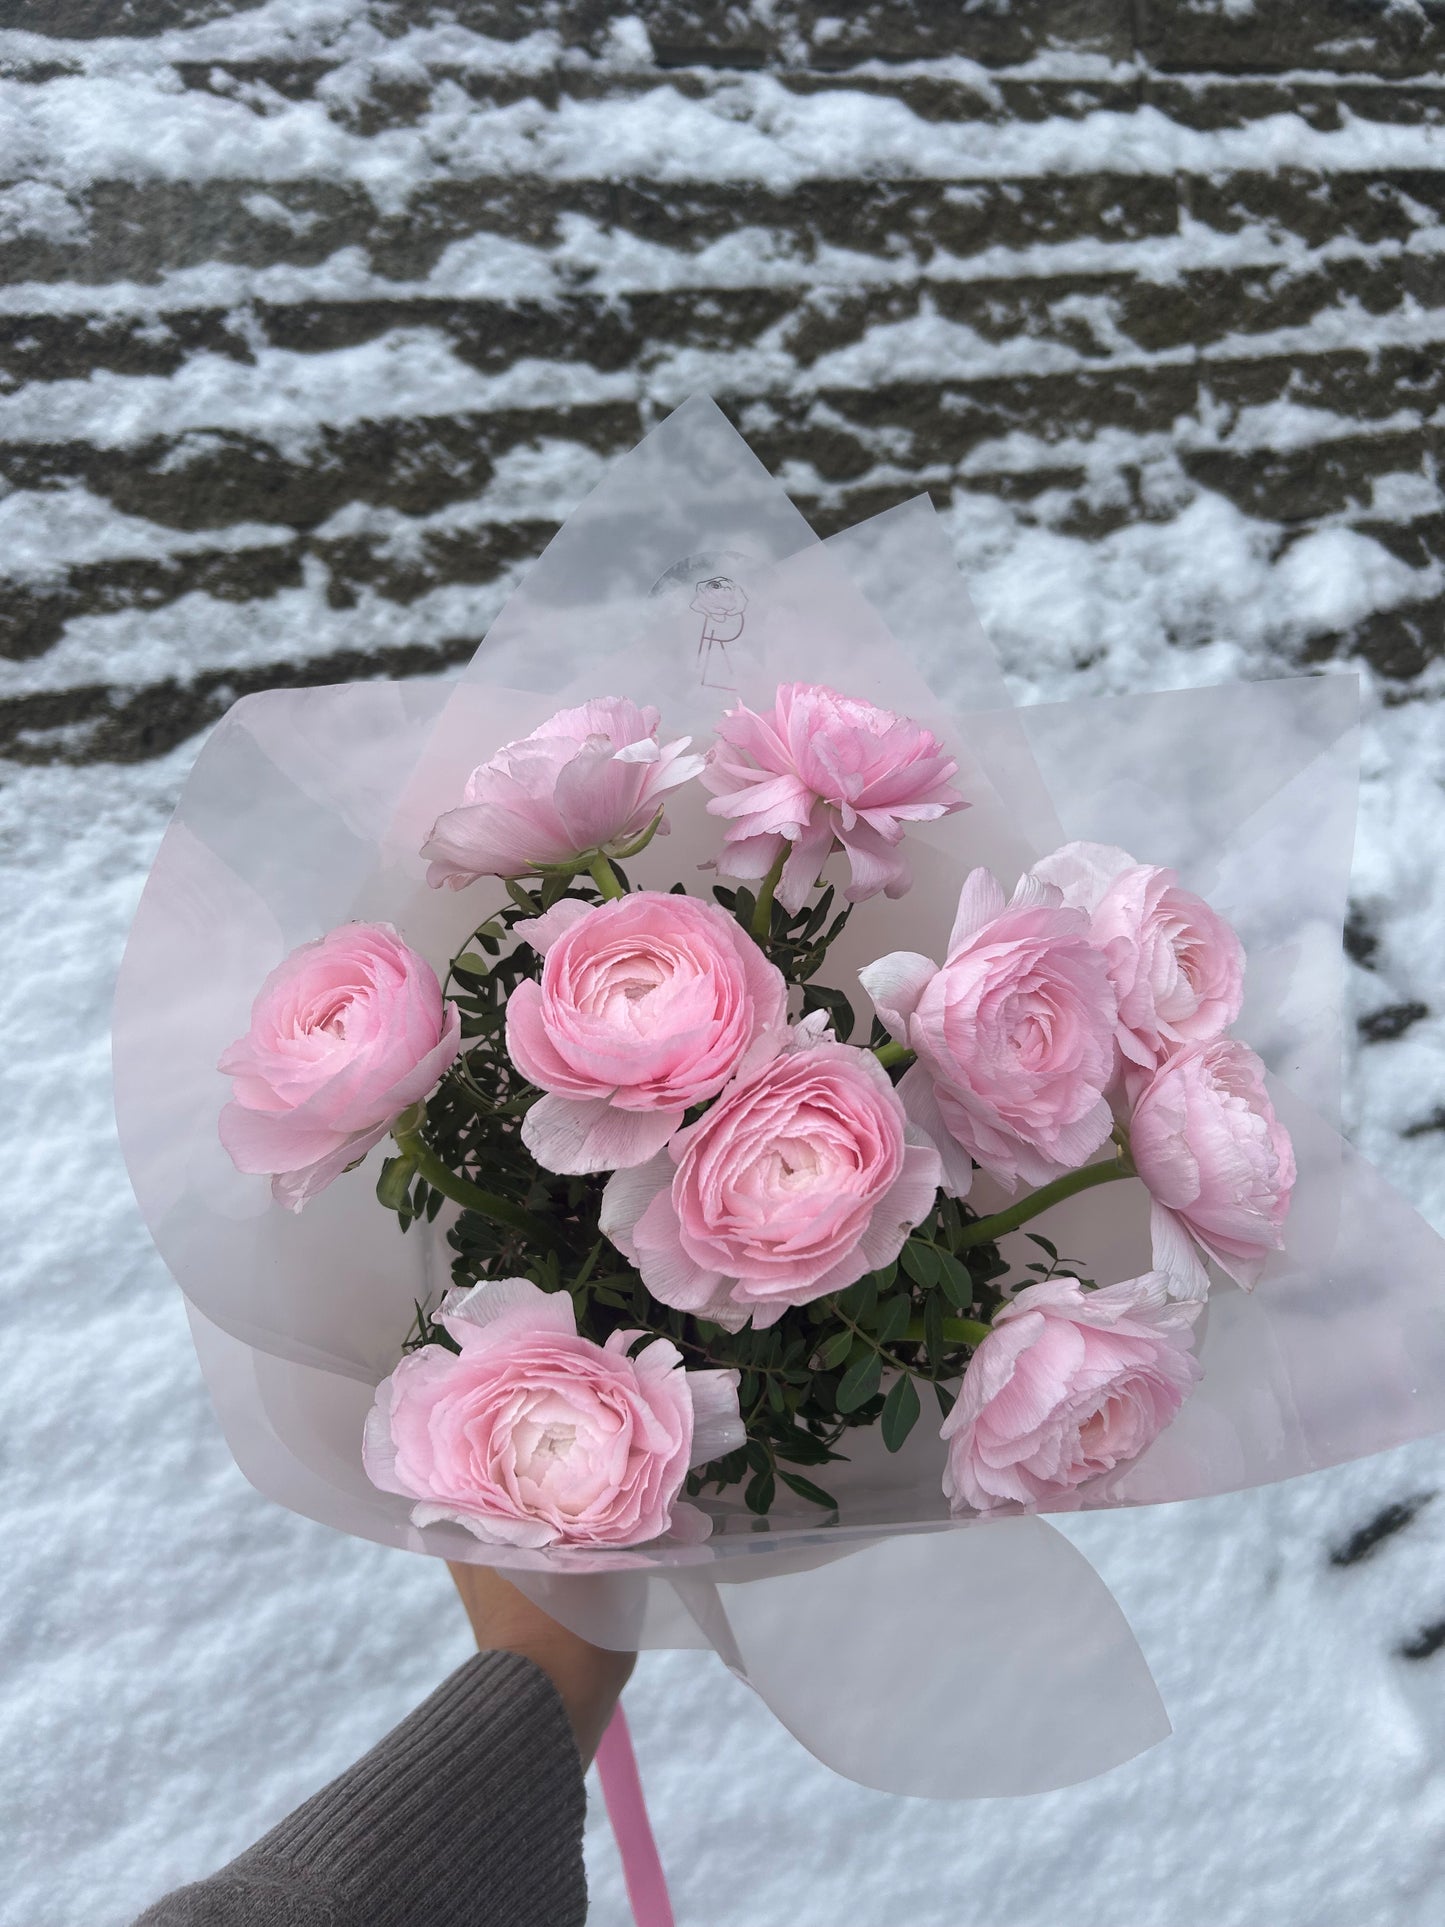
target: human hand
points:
(588, 1678)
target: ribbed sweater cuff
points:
(471, 1810)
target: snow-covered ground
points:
(180, 1661)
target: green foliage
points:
(852, 1359)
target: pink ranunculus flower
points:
(823, 769)
(647, 1005)
(1176, 965)
(345, 1034)
(1218, 1163)
(1069, 1385)
(588, 779)
(534, 1436)
(798, 1180)
(1014, 1035)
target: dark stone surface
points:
(820, 33)
(684, 32)
(1089, 314)
(93, 19)
(1398, 643)
(1349, 36)
(96, 722)
(1367, 1539)
(1173, 358)
(1384, 1026)
(1361, 942)
(138, 231)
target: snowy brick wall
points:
(318, 317)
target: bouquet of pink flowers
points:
(699, 1230)
(804, 1141)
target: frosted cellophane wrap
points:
(307, 808)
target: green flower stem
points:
(986, 1231)
(763, 909)
(442, 1178)
(605, 877)
(956, 1331)
(890, 1054)
(882, 1350)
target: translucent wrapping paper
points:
(307, 808)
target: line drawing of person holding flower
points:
(720, 602)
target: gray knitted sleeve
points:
(468, 1814)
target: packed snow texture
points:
(182, 1661)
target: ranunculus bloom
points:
(1068, 1385)
(534, 1436)
(1014, 1035)
(345, 1034)
(1176, 965)
(825, 768)
(799, 1179)
(1218, 1163)
(588, 779)
(647, 1005)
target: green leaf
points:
(1043, 1244)
(946, 1399)
(839, 1011)
(920, 1261)
(893, 1319)
(469, 964)
(806, 1489)
(801, 1448)
(859, 1300)
(958, 1286)
(836, 1350)
(887, 1277)
(933, 1327)
(900, 1411)
(814, 919)
(760, 1491)
(860, 1383)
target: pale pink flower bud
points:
(588, 779)
(1219, 1164)
(1014, 1035)
(1069, 1385)
(799, 1180)
(825, 769)
(647, 1005)
(346, 1034)
(534, 1436)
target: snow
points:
(184, 1662)
(284, 395)
(135, 120)
(44, 531)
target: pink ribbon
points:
(627, 1810)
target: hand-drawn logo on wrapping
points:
(720, 602)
